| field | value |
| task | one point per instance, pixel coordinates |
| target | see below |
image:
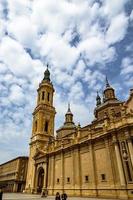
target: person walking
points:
(57, 196)
(64, 196)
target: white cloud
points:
(113, 7)
(79, 70)
(129, 47)
(117, 29)
(76, 93)
(14, 56)
(127, 71)
(93, 79)
(2, 28)
(17, 59)
(98, 47)
(127, 66)
(58, 51)
(23, 30)
(16, 95)
(17, 8)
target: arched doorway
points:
(40, 180)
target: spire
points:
(107, 82)
(69, 110)
(69, 115)
(98, 99)
(47, 75)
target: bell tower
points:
(44, 113)
(42, 128)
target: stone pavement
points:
(20, 196)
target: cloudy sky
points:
(82, 40)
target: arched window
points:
(46, 126)
(43, 95)
(48, 96)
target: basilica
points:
(92, 161)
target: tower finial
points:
(68, 115)
(107, 82)
(47, 74)
(69, 110)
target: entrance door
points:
(40, 180)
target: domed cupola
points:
(68, 116)
(68, 126)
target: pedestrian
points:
(64, 196)
(1, 194)
(44, 193)
(57, 196)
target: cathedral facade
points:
(92, 161)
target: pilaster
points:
(110, 172)
(93, 169)
(73, 170)
(62, 170)
(77, 172)
(119, 162)
(53, 174)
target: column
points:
(34, 188)
(130, 147)
(45, 176)
(119, 163)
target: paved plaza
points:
(19, 196)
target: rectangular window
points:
(103, 177)
(58, 180)
(68, 179)
(86, 178)
(43, 95)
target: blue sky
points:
(82, 40)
